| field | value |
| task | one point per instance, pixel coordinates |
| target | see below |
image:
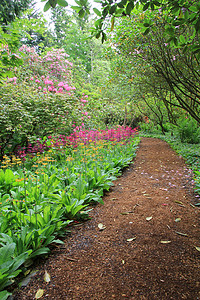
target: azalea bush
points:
(41, 196)
(39, 100)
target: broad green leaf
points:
(62, 3)
(6, 252)
(129, 8)
(97, 12)
(4, 295)
(193, 8)
(112, 9)
(182, 39)
(53, 3)
(47, 6)
(104, 37)
(146, 31)
(146, 6)
(76, 8)
(81, 13)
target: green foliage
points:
(35, 209)
(11, 9)
(189, 131)
(26, 114)
(9, 264)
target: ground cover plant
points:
(42, 194)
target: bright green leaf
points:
(47, 6)
(129, 8)
(62, 3)
(81, 13)
(97, 12)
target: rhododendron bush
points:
(39, 100)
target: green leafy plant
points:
(9, 266)
(189, 131)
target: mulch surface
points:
(128, 259)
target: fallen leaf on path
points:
(177, 219)
(112, 199)
(181, 233)
(39, 294)
(101, 226)
(126, 213)
(131, 239)
(198, 248)
(165, 242)
(47, 277)
(179, 202)
(149, 218)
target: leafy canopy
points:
(177, 13)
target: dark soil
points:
(161, 262)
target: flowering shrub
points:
(38, 101)
(77, 137)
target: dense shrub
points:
(189, 131)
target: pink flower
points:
(39, 87)
(84, 101)
(61, 83)
(60, 90)
(31, 78)
(37, 81)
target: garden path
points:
(147, 249)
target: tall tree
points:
(10, 9)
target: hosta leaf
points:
(4, 295)
(39, 294)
